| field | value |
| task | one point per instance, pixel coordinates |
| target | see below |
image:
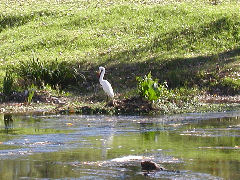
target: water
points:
(189, 146)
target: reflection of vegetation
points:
(148, 139)
(184, 146)
(8, 122)
(149, 142)
(29, 126)
(217, 150)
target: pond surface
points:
(189, 146)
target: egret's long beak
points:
(99, 73)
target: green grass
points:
(179, 42)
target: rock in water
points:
(150, 166)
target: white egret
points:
(104, 83)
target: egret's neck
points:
(102, 75)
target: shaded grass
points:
(178, 72)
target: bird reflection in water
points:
(8, 122)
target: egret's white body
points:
(105, 84)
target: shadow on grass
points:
(123, 67)
(177, 72)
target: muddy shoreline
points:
(46, 104)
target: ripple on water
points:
(217, 132)
(101, 147)
(30, 144)
(176, 175)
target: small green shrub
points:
(54, 73)
(31, 92)
(8, 84)
(151, 89)
(167, 100)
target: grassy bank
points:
(190, 44)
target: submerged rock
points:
(151, 166)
